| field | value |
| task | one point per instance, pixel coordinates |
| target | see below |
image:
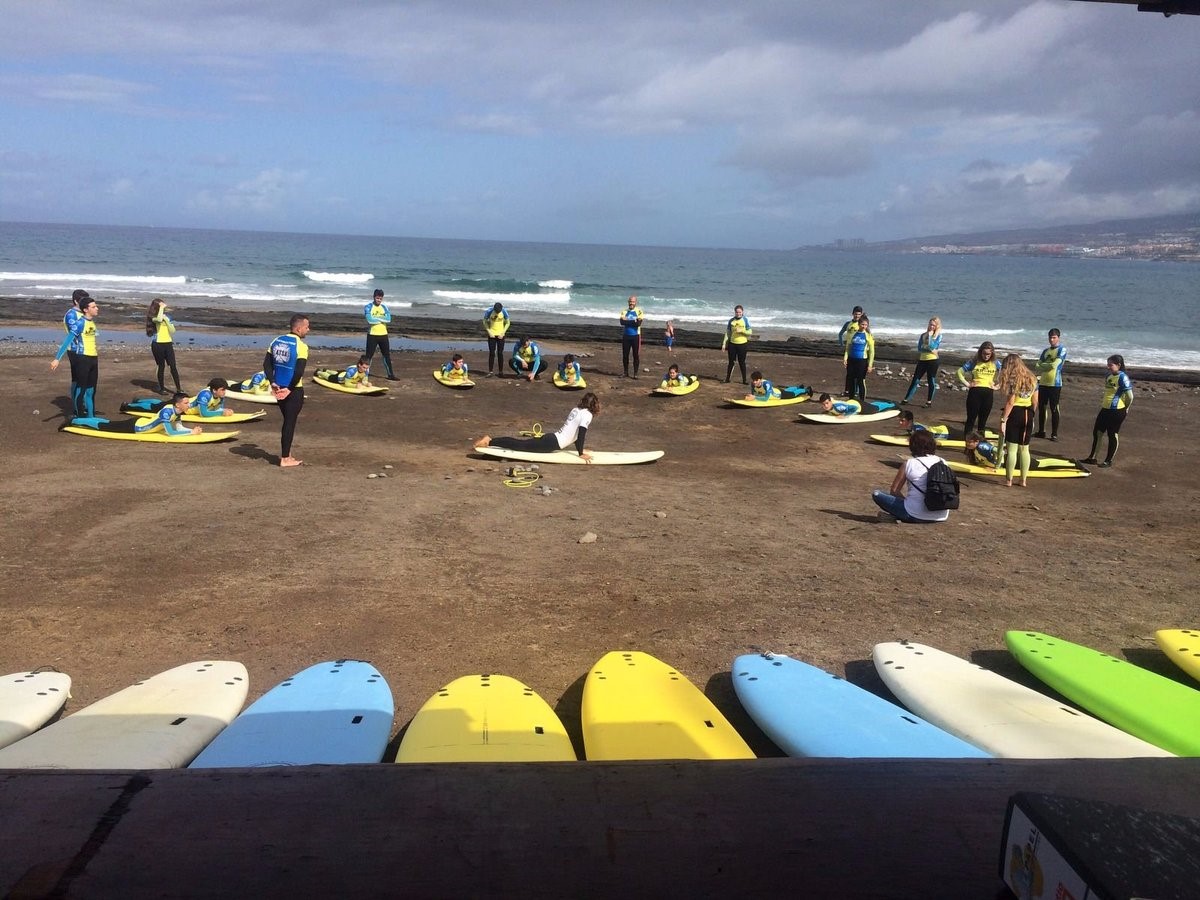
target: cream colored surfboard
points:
(159, 723)
(28, 700)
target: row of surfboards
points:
(634, 707)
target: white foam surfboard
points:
(570, 457)
(994, 712)
(28, 700)
(159, 723)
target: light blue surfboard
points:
(807, 711)
(334, 712)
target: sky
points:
(770, 124)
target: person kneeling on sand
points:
(573, 431)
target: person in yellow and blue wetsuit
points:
(761, 389)
(907, 425)
(210, 402)
(1019, 387)
(979, 452)
(839, 407)
(167, 418)
(1114, 406)
(378, 317)
(928, 345)
(848, 328)
(258, 383)
(631, 337)
(284, 366)
(160, 327)
(674, 378)
(456, 368)
(569, 370)
(859, 359)
(1049, 370)
(496, 323)
(527, 359)
(355, 375)
(85, 361)
(979, 375)
(736, 341)
(72, 316)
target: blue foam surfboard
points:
(807, 711)
(334, 712)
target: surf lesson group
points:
(281, 382)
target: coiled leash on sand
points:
(519, 477)
(535, 431)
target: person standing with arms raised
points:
(1049, 370)
(85, 359)
(378, 317)
(631, 337)
(160, 327)
(736, 341)
(496, 323)
(284, 367)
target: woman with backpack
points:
(908, 498)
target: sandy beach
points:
(754, 531)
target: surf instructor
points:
(631, 337)
(284, 368)
(378, 316)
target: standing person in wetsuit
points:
(736, 341)
(72, 316)
(631, 337)
(848, 328)
(928, 345)
(1050, 369)
(378, 316)
(160, 327)
(1019, 387)
(1114, 406)
(284, 367)
(496, 323)
(859, 359)
(573, 431)
(982, 370)
(85, 361)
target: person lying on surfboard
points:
(167, 418)
(907, 425)
(761, 389)
(674, 378)
(456, 368)
(839, 407)
(355, 376)
(573, 431)
(210, 402)
(258, 383)
(568, 370)
(980, 452)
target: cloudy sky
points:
(752, 124)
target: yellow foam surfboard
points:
(638, 707)
(1044, 467)
(123, 431)
(1182, 646)
(562, 384)
(371, 391)
(692, 384)
(485, 718)
(451, 381)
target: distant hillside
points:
(1109, 233)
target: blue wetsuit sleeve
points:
(62, 348)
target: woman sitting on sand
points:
(573, 431)
(909, 505)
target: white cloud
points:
(267, 192)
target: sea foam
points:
(338, 277)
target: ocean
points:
(1142, 310)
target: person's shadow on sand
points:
(851, 517)
(253, 451)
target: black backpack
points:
(941, 487)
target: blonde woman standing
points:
(928, 345)
(1019, 388)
